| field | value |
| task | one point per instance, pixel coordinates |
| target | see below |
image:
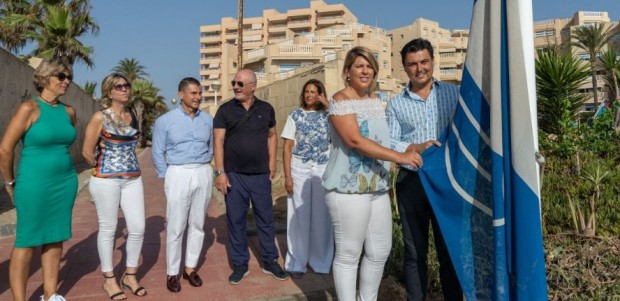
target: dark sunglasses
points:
(120, 87)
(240, 84)
(61, 76)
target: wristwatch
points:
(10, 183)
(219, 172)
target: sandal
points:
(118, 294)
(136, 291)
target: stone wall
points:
(16, 86)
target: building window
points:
(434, 34)
(289, 66)
(545, 33)
(386, 65)
(425, 31)
(584, 56)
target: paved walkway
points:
(81, 278)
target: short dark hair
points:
(416, 45)
(188, 81)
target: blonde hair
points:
(366, 54)
(107, 85)
(47, 69)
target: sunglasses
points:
(240, 84)
(61, 76)
(119, 87)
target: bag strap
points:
(241, 122)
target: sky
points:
(163, 35)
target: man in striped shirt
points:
(417, 116)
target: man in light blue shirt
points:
(182, 151)
(417, 116)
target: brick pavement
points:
(81, 278)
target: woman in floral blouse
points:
(110, 147)
(306, 152)
(357, 178)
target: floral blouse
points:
(310, 131)
(347, 170)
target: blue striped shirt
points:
(413, 120)
(179, 139)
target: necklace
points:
(51, 103)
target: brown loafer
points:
(173, 284)
(193, 278)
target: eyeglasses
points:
(61, 76)
(120, 87)
(240, 84)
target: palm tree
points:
(148, 105)
(54, 25)
(610, 62)
(12, 35)
(591, 38)
(89, 87)
(558, 77)
(131, 68)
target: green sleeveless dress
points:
(46, 182)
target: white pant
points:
(310, 236)
(108, 194)
(360, 220)
(188, 192)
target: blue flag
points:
(483, 182)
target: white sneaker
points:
(54, 297)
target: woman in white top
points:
(357, 179)
(310, 238)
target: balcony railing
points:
(256, 53)
(330, 57)
(323, 40)
(295, 49)
(261, 77)
(284, 75)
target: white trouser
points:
(310, 236)
(360, 220)
(108, 194)
(188, 192)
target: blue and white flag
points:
(483, 182)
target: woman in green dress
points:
(45, 187)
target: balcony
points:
(295, 49)
(254, 55)
(296, 24)
(450, 58)
(278, 28)
(323, 40)
(329, 20)
(212, 59)
(450, 74)
(261, 77)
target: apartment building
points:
(449, 47)
(557, 34)
(218, 43)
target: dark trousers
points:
(416, 214)
(246, 188)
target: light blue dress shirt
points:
(179, 139)
(413, 120)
